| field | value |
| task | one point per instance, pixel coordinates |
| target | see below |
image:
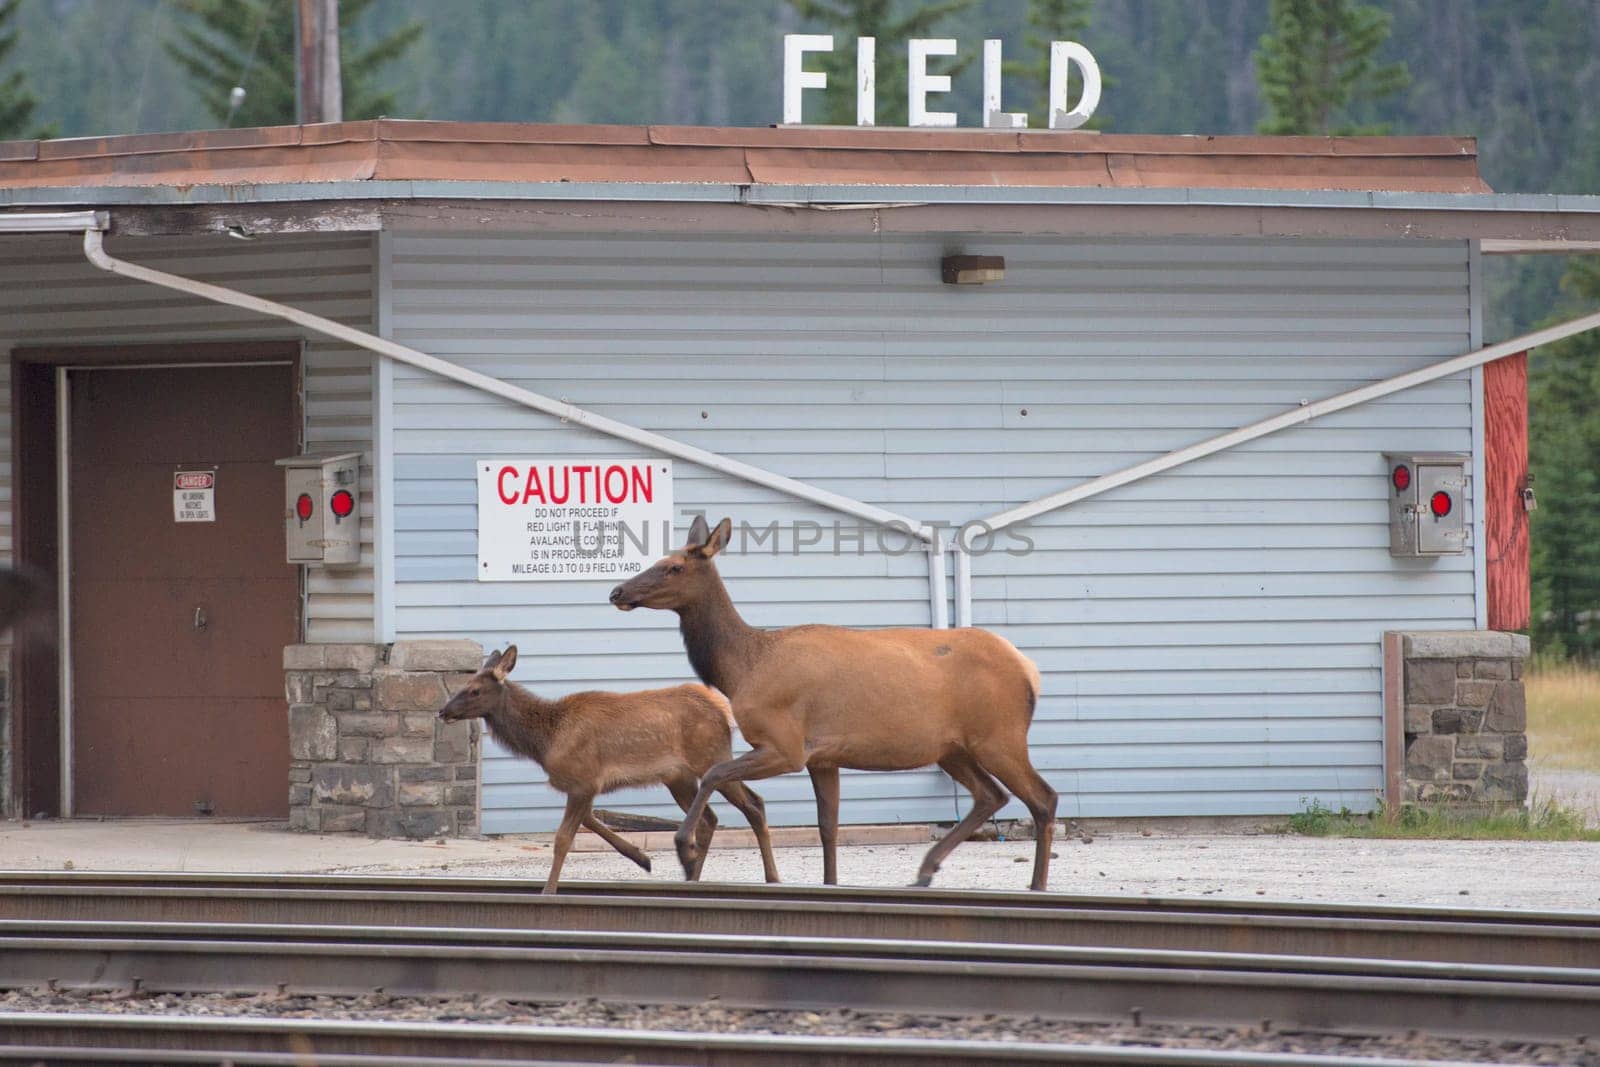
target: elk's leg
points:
(683, 791)
(615, 840)
(987, 798)
(758, 763)
(577, 810)
(825, 784)
(1015, 770)
(749, 802)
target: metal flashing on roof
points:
(396, 150)
(387, 174)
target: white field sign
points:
(1064, 56)
(551, 520)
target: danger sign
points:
(563, 520)
(194, 496)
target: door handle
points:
(199, 618)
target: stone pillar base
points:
(1465, 719)
(368, 751)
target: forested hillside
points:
(1523, 76)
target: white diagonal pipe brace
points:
(93, 247)
(1293, 417)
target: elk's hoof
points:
(549, 890)
(923, 881)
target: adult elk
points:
(593, 742)
(826, 697)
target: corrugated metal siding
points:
(1209, 638)
(49, 295)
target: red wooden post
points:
(1505, 401)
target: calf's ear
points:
(507, 664)
(490, 663)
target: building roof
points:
(392, 174)
(407, 150)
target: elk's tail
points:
(1030, 671)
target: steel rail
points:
(834, 896)
(1506, 941)
(958, 980)
(128, 1038)
(1501, 942)
(275, 937)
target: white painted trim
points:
(94, 250)
(64, 582)
(383, 608)
(1480, 481)
(963, 584)
(938, 605)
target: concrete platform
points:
(1149, 860)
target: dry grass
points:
(1564, 716)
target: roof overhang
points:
(388, 174)
(1505, 222)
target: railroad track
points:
(1318, 967)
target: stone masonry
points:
(367, 748)
(1466, 718)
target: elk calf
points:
(591, 743)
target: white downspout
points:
(94, 249)
(1293, 417)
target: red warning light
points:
(342, 503)
(1440, 504)
(303, 506)
(1401, 477)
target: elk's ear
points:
(508, 663)
(718, 539)
(492, 662)
(698, 532)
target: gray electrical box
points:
(1427, 503)
(322, 508)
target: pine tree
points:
(16, 103)
(251, 43)
(849, 19)
(1318, 61)
(1048, 20)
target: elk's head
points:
(678, 579)
(486, 690)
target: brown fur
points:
(594, 742)
(827, 697)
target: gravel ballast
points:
(714, 1018)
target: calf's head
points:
(680, 578)
(486, 690)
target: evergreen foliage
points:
(1050, 20)
(16, 102)
(1318, 60)
(251, 43)
(849, 19)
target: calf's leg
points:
(762, 762)
(577, 810)
(615, 840)
(825, 784)
(683, 791)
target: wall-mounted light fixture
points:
(972, 270)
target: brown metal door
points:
(178, 628)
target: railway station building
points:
(305, 419)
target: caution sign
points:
(194, 496)
(566, 520)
